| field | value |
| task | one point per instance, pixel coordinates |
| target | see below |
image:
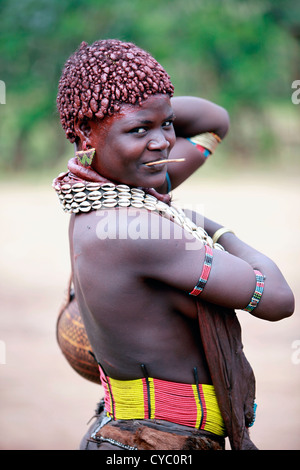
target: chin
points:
(154, 181)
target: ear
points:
(83, 131)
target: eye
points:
(138, 130)
(167, 123)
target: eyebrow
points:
(148, 121)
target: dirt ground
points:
(44, 404)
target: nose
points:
(158, 142)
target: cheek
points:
(127, 150)
(117, 156)
(172, 139)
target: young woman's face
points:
(135, 136)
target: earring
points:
(85, 156)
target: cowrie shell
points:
(122, 187)
(150, 198)
(187, 229)
(110, 194)
(96, 205)
(66, 188)
(138, 197)
(108, 186)
(124, 202)
(109, 202)
(68, 197)
(149, 206)
(137, 191)
(137, 204)
(200, 231)
(189, 223)
(85, 206)
(79, 197)
(161, 206)
(124, 194)
(93, 186)
(78, 187)
(94, 195)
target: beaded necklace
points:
(79, 196)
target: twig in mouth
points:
(170, 160)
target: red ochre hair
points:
(97, 79)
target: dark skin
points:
(191, 121)
(133, 292)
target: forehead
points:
(155, 107)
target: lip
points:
(156, 160)
(155, 168)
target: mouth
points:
(167, 160)
(156, 163)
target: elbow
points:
(283, 306)
(224, 123)
(289, 305)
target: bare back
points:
(132, 316)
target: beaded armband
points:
(206, 142)
(205, 271)
(259, 288)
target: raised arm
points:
(194, 116)
(277, 301)
(232, 280)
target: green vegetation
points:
(244, 55)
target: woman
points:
(156, 292)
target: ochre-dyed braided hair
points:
(99, 78)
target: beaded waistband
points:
(190, 405)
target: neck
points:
(78, 172)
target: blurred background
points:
(245, 56)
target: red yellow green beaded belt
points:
(148, 398)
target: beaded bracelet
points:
(259, 288)
(206, 142)
(254, 416)
(205, 271)
(203, 150)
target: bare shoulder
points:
(130, 228)
(139, 239)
